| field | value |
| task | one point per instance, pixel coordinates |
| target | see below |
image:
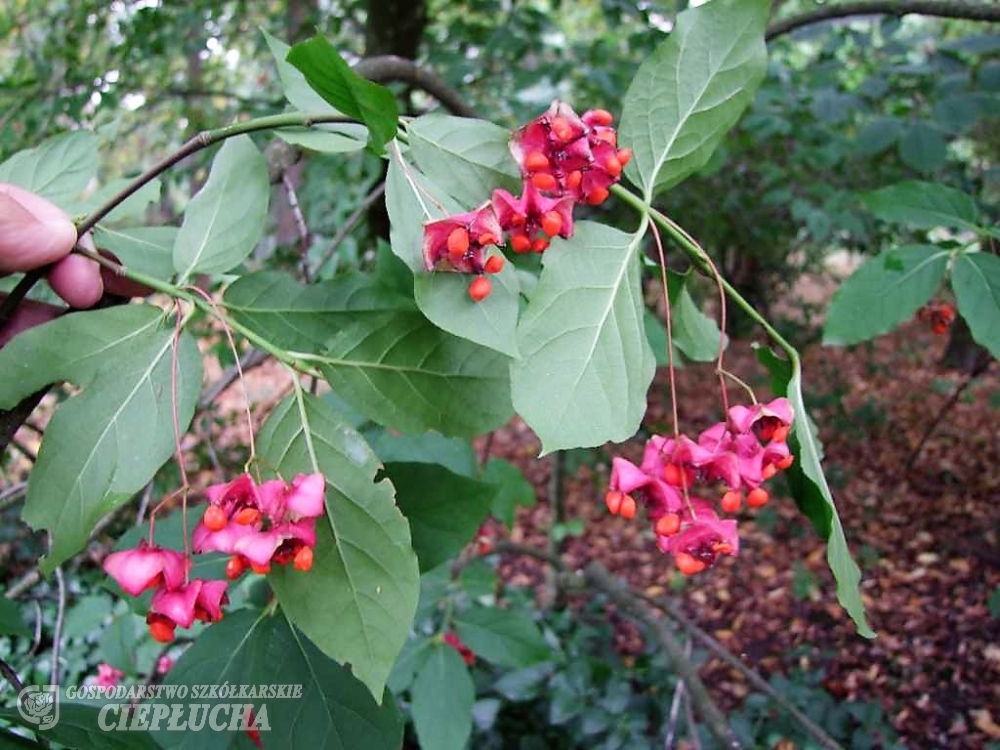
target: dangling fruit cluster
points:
(257, 525)
(938, 315)
(564, 159)
(737, 456)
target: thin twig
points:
(57, 631)
(12, 495)
(753, 677)
(11, 676)
(555, 518)
(345, 229)
(946, 407)
(253, 358)
(300, 224)
(675, 707)
(596, 576)
(692, 725)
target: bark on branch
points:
(387, 68)
(972, 11)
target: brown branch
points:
(253, 358)
(345, 229)
(982, 366)
(619, 592)
(305, 238)
(11, 676)
(388, 68)
(596, 576)
(972, 11)
(753, 677)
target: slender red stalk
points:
(174, 367)
(239, 368)
(670, 360)
(722, 310)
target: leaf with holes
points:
(809, 487)
(692, 90)
(586, 364)
(225, 220)
(406, 373)
(976, 281)
(885, 291)
(105, 443)
(357, 602)
(444, 509)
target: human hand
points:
(34, 234)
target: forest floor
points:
(926, 539)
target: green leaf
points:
(249, 648)
(132, 207)
(78, 727)
(492, 322)
(959, 112)
(809, 487)
(119, 641)
(695, 334)
(407, 374)
(58, 169)
(348, 92)
(225, 220)
(327, 139)
(692, 90)
(501, 636)
(357, 602)
(444, 509)
(976, 281)
(513, 490)
(11, 622)
(884, 292)
(297, 89)
(304, 318)
(586, 362)
(455, 454)
(656, 334)
(923, 205)
(413, 199)
(149, 250)
(878, 135)
(468, 158)
(411, 659)
(479, 579)
(106, 443)
(923, 148)
(443, 695)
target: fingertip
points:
(77, 280)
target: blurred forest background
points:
(849, 105)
